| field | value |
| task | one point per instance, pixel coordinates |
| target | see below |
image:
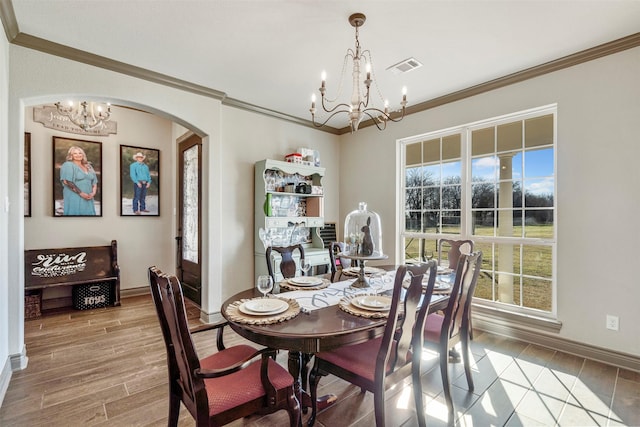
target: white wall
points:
(5, 368)
(598, 185)
(142, 241)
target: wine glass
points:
(305, 267)
(264, 284)
(376, 284)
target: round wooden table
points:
(308, 333)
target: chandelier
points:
(86, 115)
(359, 105)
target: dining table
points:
(318, 318)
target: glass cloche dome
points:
(363, 233)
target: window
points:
(494, 183)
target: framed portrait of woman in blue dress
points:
(77, 177)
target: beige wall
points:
(598, 185)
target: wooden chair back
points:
(457, 314)
(337, 263)
(182, 358)
(403, 333)
(453, 248)
(287, 264)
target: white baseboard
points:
(134, 292)
(19, 361)
(5, 377)
(523, 332)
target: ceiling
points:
(270, 53)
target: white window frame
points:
(466, 213)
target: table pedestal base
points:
(297, 364)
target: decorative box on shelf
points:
(293, 158)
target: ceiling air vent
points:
(405, 66)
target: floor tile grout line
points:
(613, 396)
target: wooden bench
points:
(47, 268)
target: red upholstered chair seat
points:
(240, 387)
(358, 358)
(432, 327)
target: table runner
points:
(315, 299)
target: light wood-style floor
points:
(107, 367)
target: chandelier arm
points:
(387, 116)
(376, 120)
(313, 117)
(365, 102)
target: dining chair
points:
(338, 263)
(443, 331)
(397, 352)
(287, 264)
(453, 248)
(228, 385)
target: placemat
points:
(354, 271)
(345, 305)
(291, 287)
(234, 313)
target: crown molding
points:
(586, 55)
(8, 17)
(272, 113)
(14, 36)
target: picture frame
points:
(27, 174)
(78, 164)
(141, 198)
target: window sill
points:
(485, 317)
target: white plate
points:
(354, 271)
(444, 270)
(440, 286)
(305, 281)
(263, 306)
(372, 302)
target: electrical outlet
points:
(612, 322)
